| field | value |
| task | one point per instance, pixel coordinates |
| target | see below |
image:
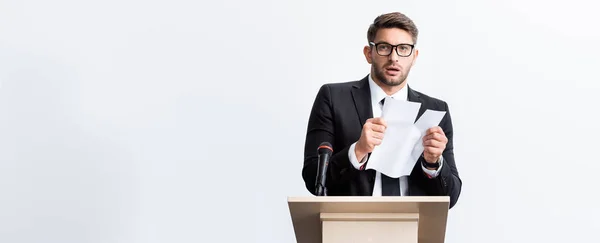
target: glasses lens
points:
(404, 50)
(384, 49)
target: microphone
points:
(325, 150)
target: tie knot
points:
(382, 102)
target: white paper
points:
(428, 120)
(402, 140)
(399, 111)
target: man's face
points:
(392, 69)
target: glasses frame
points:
(412, 48)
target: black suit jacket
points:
(338, 115)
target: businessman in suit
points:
(347, 115)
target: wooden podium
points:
(409, 219)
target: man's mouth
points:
(393, 71)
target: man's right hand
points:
(371, 136)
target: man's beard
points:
(391, 81)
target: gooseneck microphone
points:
(324, 151)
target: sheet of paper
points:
(400, 136)
(400, 111)
(393, 155)
(428, 120)
(402, 143)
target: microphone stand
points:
(321, 189)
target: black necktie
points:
(389, 186)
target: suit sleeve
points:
(321, 128)
(448, 182)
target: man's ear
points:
(367, 52)
(416, 54)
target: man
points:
(347, 115)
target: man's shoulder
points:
(341, 88)
(343, 84)
(431, 101)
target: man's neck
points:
(389, 90)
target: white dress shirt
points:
(377, 94)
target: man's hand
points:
(371, 136)
(434, 143)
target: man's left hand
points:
(434, 143)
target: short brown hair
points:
(393, 20)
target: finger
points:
(432, 151)
(435, 136)
(436, 129)
(379, 121)
(433, 143)
(378, 128)
(431, 136)
(378, 135)
(431, 130)
(439, 130)
(428, 137)
(372, 133)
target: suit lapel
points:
(415, 97)
(361, 94)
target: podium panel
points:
(369, 227)
(369, 219)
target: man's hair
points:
(393, 20)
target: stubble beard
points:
(391, 81)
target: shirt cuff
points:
(434, 173)
(352, 156)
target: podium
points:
(344, 219)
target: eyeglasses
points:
(385, 49)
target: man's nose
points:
(394, 55)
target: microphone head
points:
(325, 147)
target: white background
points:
(161, 121)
